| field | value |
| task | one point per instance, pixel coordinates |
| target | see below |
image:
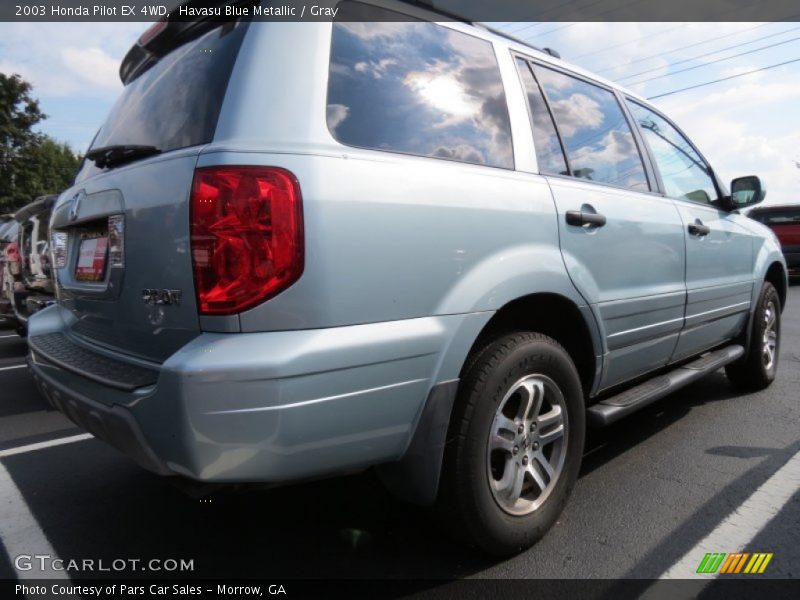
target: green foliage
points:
(31, 164)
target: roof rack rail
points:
(428, 5)
(513, 38)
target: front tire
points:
(515, 443)
(758, 369)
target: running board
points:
(611, 409)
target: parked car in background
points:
(784, 220)
(9, 265)
(419, 246)
(34, 288)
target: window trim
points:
(649, 176)
(515, 57)
(712, 174)
(408, 14)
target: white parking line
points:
(13, 367)
(20, 532)
(2, 337)
(737, 530)
(48, 444)
(22, 535)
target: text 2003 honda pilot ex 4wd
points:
(423, 247)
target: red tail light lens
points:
(247, 236)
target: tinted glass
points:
(778, 217)
(548, 149)
(176, 102)
(416, 87)
(598, 139)
(684, 173)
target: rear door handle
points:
(697, 228)
(580, 218)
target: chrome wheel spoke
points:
(516, 489)
(531, 404)
(769, 342)
(499, 442)
(554, 416)
(521, 476)
(503, 423)
(504, 483)
(537, 478)
(545, 464)
(556, 433)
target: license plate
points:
(92, 259)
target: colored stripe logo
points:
(739, 562)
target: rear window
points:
(782, 217)
(417, 88)
(177, 101)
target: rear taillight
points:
(247, 236)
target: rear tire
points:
(757, 370)
(515, 444)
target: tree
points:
(31, 164)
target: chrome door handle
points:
(580, 218)
(697, 228)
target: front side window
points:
(597, 137)
(417, 88)
(683, 171)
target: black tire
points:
(754, 373)
(466, 499)
(22, 331)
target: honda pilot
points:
(302, 249)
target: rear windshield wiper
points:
(110, 156)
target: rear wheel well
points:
(550, 314)
(776, 276)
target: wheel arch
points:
(777, 275)
(415, 477)
(553, 315)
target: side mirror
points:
(746, 191)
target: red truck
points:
(785, 222)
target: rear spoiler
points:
(173, 31)
(169, 33)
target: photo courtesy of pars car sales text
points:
(179, 590)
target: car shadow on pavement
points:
(96, 503)
(707, 517)
(603, 445)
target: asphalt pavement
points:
(696, 466)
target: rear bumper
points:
(112, 424)
(266, 407)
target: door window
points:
(597, 137)
(683, 171)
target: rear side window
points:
(549, 154)
(177, 101)
(598, 139)
(417, 88)
(684, 173)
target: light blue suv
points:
(300, 249)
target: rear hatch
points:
(120, 235)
